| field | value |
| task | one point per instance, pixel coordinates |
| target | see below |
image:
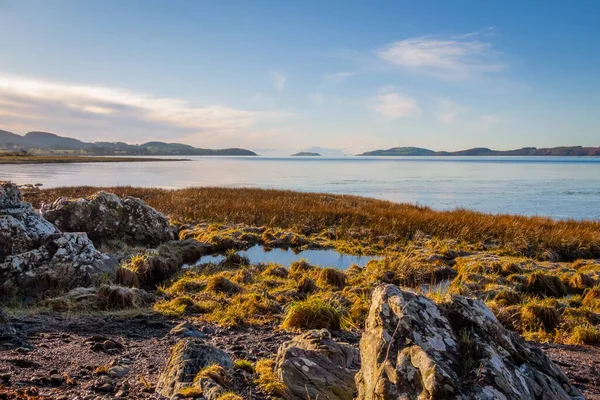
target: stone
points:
(313, 366)
(105, 216)
(188, 357)
(56, 379)
(413, 348)
(6, 329)
(185, 329)
(118, 371)
(35, 257)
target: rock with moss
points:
(189, 357)
(314, 366)
(105, 216)
(413, 348)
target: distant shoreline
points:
(32, 159)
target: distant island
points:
(483, 151)
(51, 144)
(305, 154)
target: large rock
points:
(21, 228)
(188, 357)
(413, 348)
(35, 257)
(314, 366)
(106, 216)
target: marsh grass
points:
(361, 219)
(268, 380)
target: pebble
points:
(56, 379)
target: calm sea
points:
(559, 187)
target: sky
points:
(284, 76)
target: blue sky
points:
(280, 76)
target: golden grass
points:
(245, 365)
(268, 381)
(356, 218)
(313, 313)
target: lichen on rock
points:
(314, 365)
(413, 348)
(105, 216)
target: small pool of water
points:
(323, 258)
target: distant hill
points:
(305, 154)
(483, 151)
(50, 143)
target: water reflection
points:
(324, 258)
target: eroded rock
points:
(413, 348)
(188, 357)
(105, 216)
(35, 257)
(313, 366)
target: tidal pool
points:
(324, 258)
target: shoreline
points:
(12, 160)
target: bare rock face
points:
(413, 348)
(106, 216)
(21, 228)
(314, 366)
(188, 357)
(35, 257)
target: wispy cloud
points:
(456, 57)
(393, 105)
(449, 111)
(339, 76)
(279, 80)
(98, 112)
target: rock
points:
(312, 365)
(106, 216)
(188, 357)
(413, 348)
(185, 329)
(21, 228)
(35, 257)
(56, 379)
(6, 329)
(118, 371)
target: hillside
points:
(483, 151)
(306, 154)
(50, 143)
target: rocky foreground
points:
(411, 346)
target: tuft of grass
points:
(215, 372)
(246, 308)
(306, 286)
(275, 271)
(177, 307)
(539, 315)
(313, 313)
(507, 297)
(331, 277)
(230, 396)
(268, 381)
(245, 365)
(191, 391)
(126, 277)
(220, 284)
(539, 283)
(584, 334)
(299, 268)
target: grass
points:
(313, 313)
(245, 365)
(357, 219)
(268, 381)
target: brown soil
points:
(56, 345)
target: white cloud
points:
(449, 111)
(97, 112)
(453, 58)
(393, 105)
(279, 80)
(339, 76)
